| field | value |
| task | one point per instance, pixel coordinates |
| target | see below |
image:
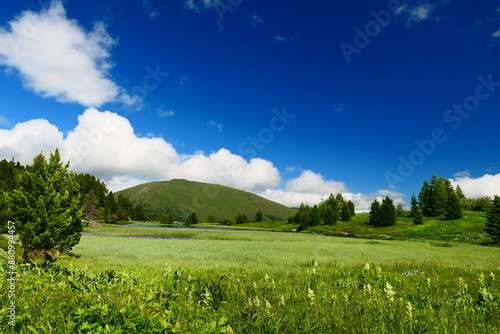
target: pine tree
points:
(111, 203)
(327, 214)
(259, 216)
(375, 213)
(400, 210)
(211, 219)
(124, 208)
(90, 212)
(139, 213)
(459, 193)
(315, 218)
(241, 219)
(352, 208)
(415, 212)
(493, 220)
(413, 204)
(387, 212)
(47, 206)
(345, 212)
(425, 198)
(192, 219)
(439, 195)
(453, 208)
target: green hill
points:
(183, 197)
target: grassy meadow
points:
(226, 281)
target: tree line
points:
(328, 212)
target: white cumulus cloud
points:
(486, 185)
(57, 58)
(105, 145)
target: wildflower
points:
(311, 295)
(230, 330)
(268, 308)
(379, 271)
(492, 276)
(254, 285)
(256, 301)
(367, 266)
(409, 309)
(481, 279)
(282, 300)
(462, 284)
(389, 291)
(367, 288)
(207, 298)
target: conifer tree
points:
(346, 212)
(47, 206)
(400, 210)
(425, 198)
(211, 219)
(453, 207)
(493, 220)
(192, 219)
(439, 195)
(387, 212)
(352, 208)
(259, 216)
(415, 212)
(90, 212)
(459, 193)
(375, 213)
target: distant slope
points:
(183, 197)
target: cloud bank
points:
(104, 144)
(486, 185)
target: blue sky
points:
(291, 101)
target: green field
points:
(224, 281)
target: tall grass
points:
(361, 299)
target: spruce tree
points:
(211, 219)
(400, 210)
(375, 213)
(259, 216)
(315, 217)
(47, 206)
(352, 208)
(415, 213)
(387, 212)
(327, 214)
(493, 220)
(346, 212)
(90, 212)
(193, 219)
(424, 198)
(453, 208)
(439, 195)
(459, 193)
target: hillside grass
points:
(184, 197)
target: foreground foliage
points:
(318, 299)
